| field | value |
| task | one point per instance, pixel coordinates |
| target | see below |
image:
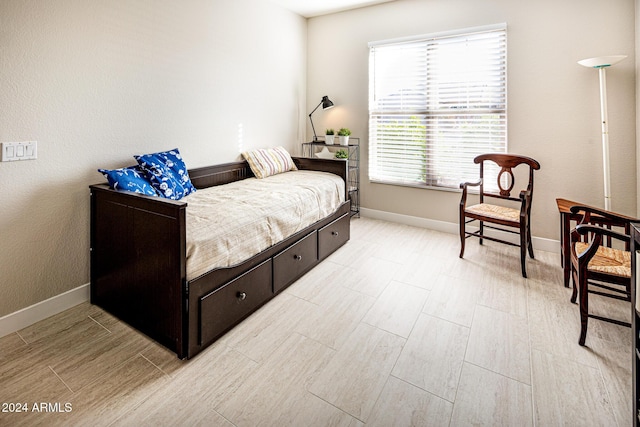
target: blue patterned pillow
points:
(168, 174)
(129, 179)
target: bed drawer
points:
(333, 235)
(294, 261)
(224, 307)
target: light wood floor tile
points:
(372, 276)
(353, 252)
(453, 299)
(613, 361)
(613, 309)
(554, 324)
(9, 345)
(54, 345)
(433, 355)
(402, 404)
(191, 399)
(189, 413)
(319, 284)
(397, 308)
(266, 329)
(56, 324)
(275, 392)
(162, 357)
(499, 342)
(397, 243)
(354, 378)
(306, 409)
(13, 351)
(568, 393)
(333, 322)
(85, 362)
(504, 292)
(420, 270)
(31, 384)
(118, 392)
(488, 399)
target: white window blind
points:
(436, 102)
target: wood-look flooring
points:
(393, 329)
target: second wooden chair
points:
(517, 220)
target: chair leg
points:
(523, 251)
(584, 309)
(481, 230)
(462, 234)
(523, 258)
(530, 242)
(574, 294)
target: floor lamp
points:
(601, 63)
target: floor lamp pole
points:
(601, 63)
(605, 138)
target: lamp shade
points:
(602, 61)
(326, 102)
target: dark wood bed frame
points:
(138, 262)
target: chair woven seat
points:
(611, 261)
(495, 212)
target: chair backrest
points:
(506, 162)
(605, 219)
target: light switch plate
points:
(13, 151)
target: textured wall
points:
(553, 103)
(96, 81)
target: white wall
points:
(637, 34)
(553, 103)
(97, 81)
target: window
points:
(436, 102)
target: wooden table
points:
(566, 216)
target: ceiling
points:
(311, 8)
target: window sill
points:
(416, 185)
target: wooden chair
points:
(513, 218)
(596, 265)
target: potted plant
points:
(329, 136)
(343, 135)
(342, 154)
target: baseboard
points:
(540, 243)
(39, 311)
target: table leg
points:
(566, 247)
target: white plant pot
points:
(344, 140)
(329, 139)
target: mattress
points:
(230, 223)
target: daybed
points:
(140, 255)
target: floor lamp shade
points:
(601, 63)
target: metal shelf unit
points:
(310, 149)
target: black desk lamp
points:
(326, 104)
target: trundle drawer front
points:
(225, 306)
(289, 264)
(333, 235)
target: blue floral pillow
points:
(167, 173)
(131, 178)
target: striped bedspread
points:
(230, 223)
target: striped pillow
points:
(269, 161)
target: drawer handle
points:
(241, 296)
(297, 257)
(334, 233)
